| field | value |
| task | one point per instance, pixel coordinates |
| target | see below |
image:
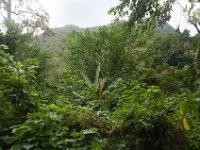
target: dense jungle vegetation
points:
(118, 87)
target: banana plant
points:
(97, 87)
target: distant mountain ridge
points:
(68, 28)
(56, 38)
(165, 29)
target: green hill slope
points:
(57, 38)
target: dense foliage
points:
(109, 88)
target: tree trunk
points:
(9, 9)
(197, 59)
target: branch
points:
(195, 25)
(2, 15)
(4, 3)
(190, 19)
(189, 16)
(18, 13)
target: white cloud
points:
(83, 13)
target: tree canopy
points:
(29, 13)
(152, 11)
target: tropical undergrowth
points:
(115, 90)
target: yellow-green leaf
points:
(186, 124)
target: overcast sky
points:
(87, 13)
(84, 13)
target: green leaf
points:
(64, 128)
(182, 107)
(195, 110)
(89, 131)
(86, 79)
(97, 74)
(5, 47)
(78, 95)
(76, 134)
(28, 146)
(103, 82)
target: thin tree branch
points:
(18, 13)
(2, 15)
(188, 15)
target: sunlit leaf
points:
(186, 124)
(5, 47)
(28, 146)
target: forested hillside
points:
(55, 39)
(116, 87)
